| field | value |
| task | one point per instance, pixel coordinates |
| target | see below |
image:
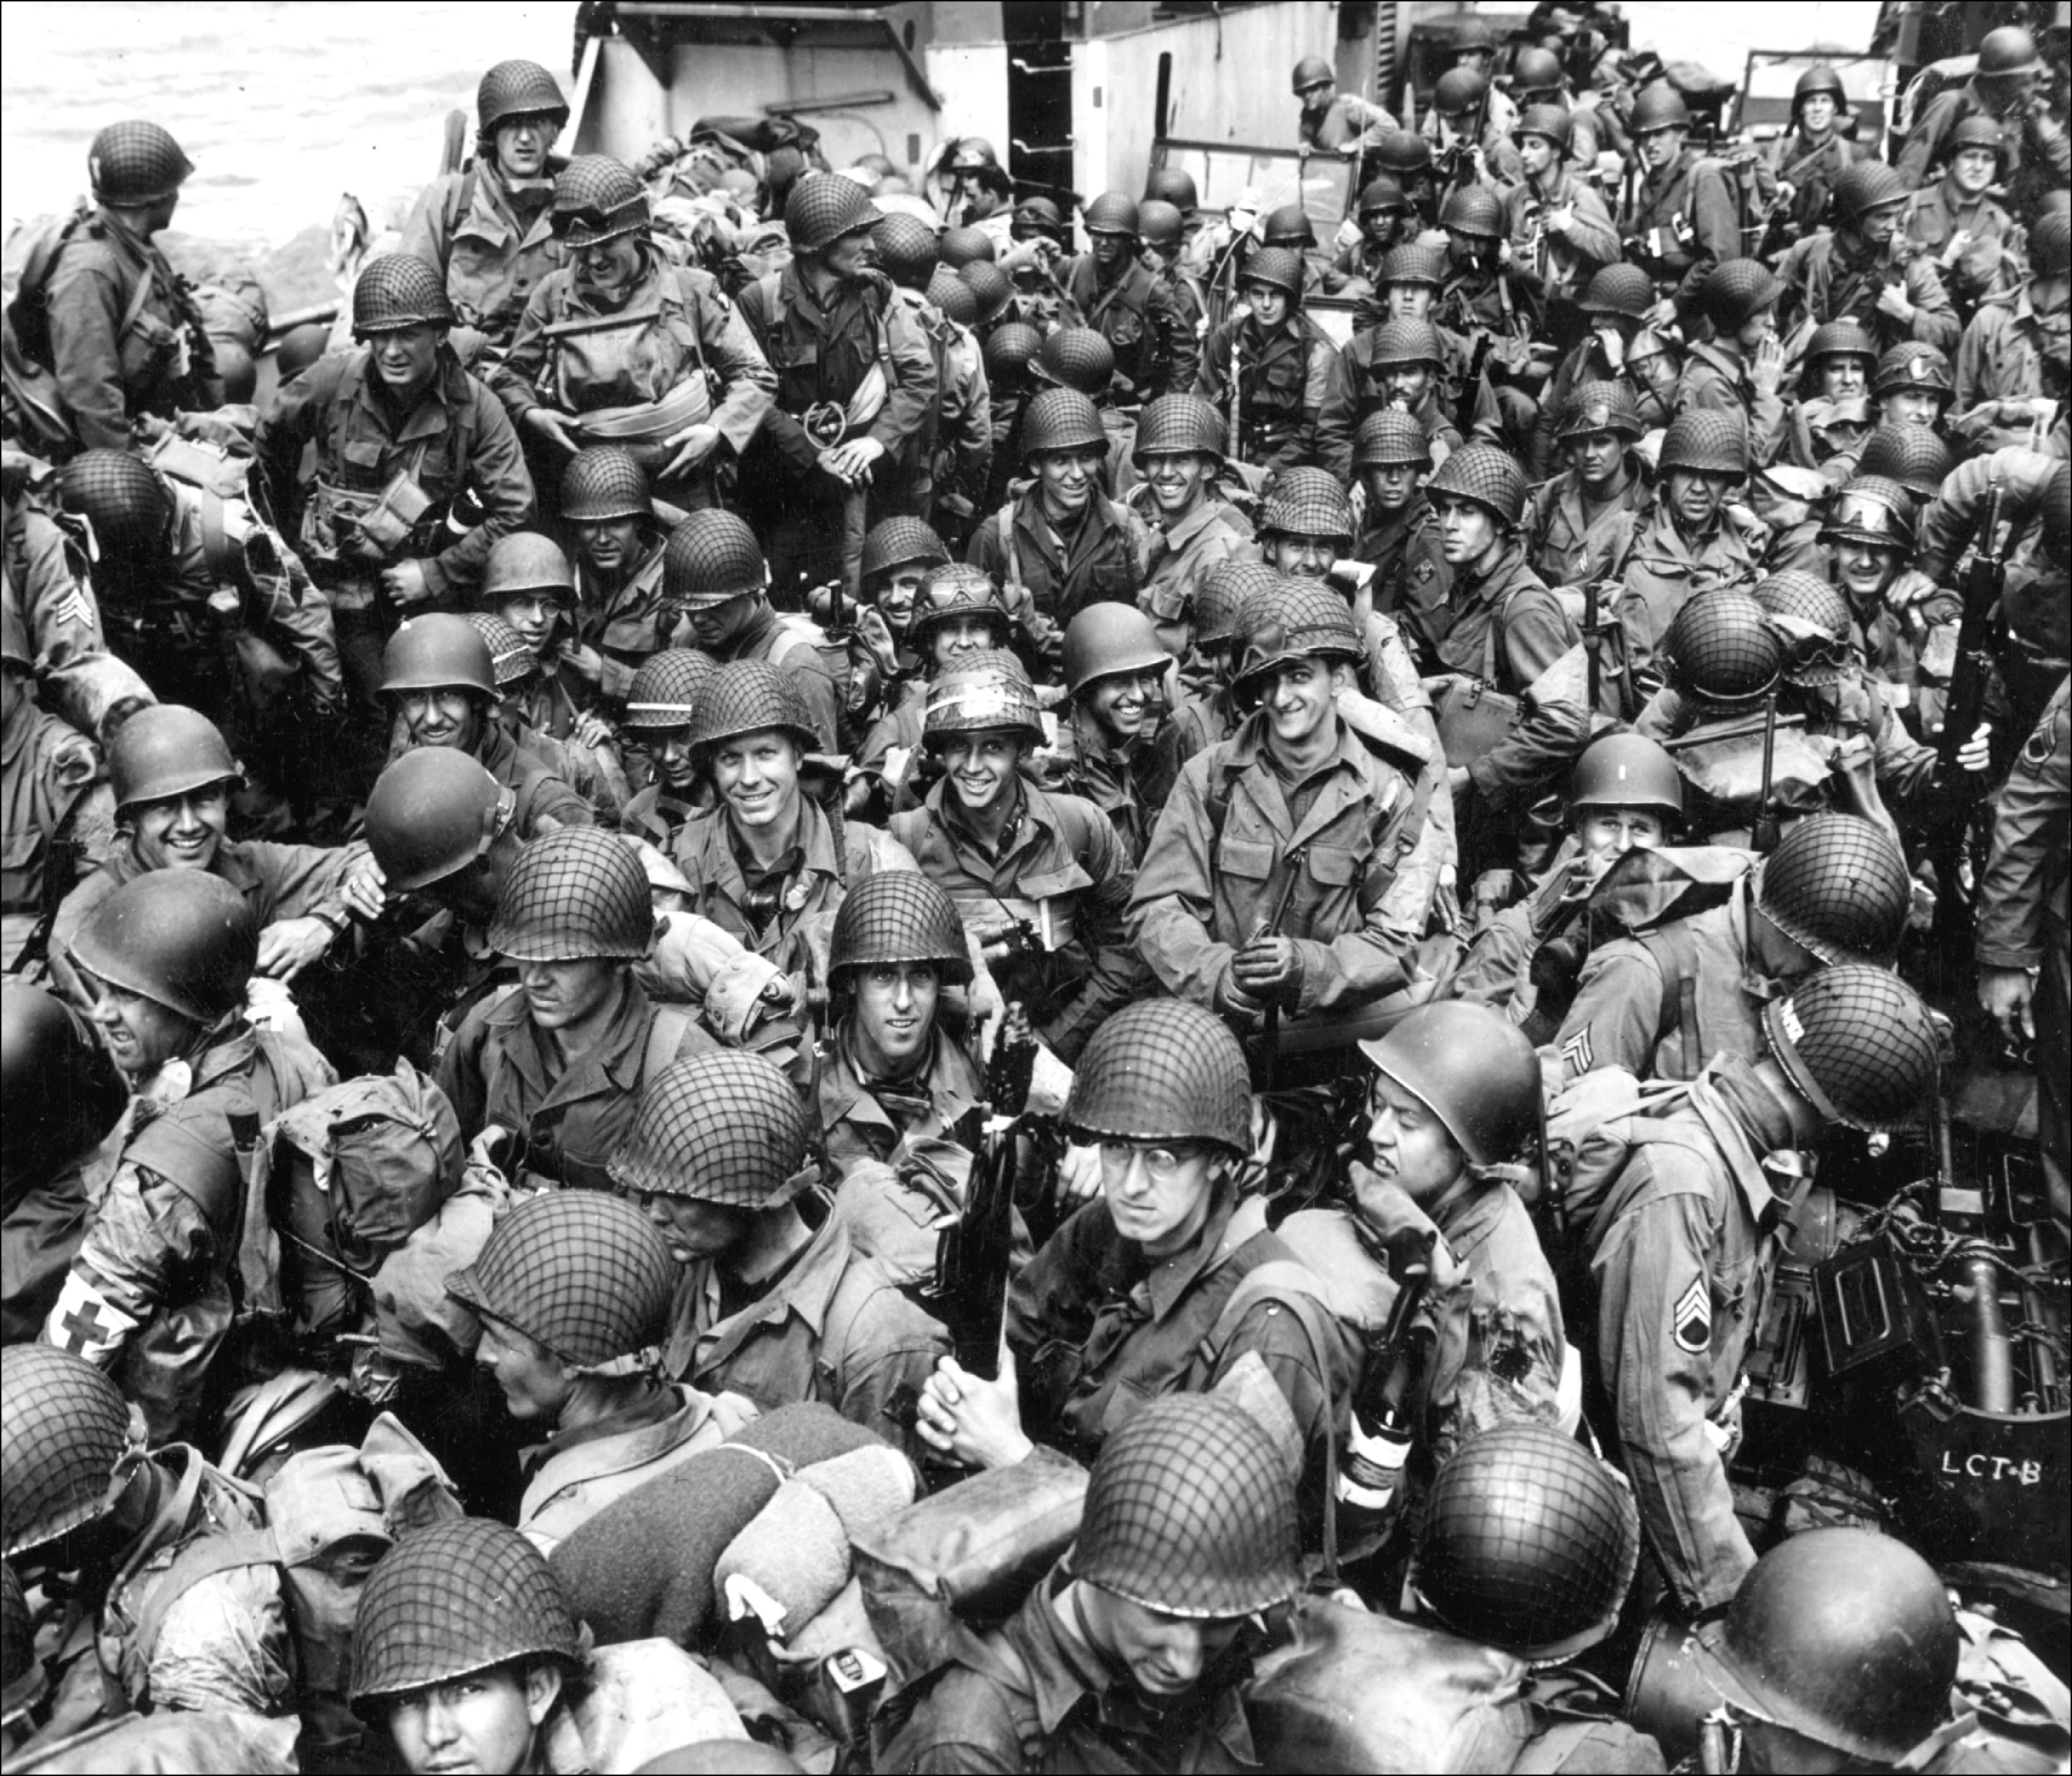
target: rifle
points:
(1378, 1443)
(1762, 837)
(1238, 316)
(1271, 927)
(1977, 633)
(1591, 617)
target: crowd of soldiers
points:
(560, 842)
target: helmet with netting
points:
(1190, 1511)
(1280, 268)
(1600, 406)
(438, 651)
(1297, 620)
(710, 557)
(953, 296)
(598, 199)
(1483, 473)
(962, 247)
(517, 90)
(1412, 262)
(184, 938)
(22, 1680)
(752, 697)
(511, 656)
(898, 915)
(986, 692)
(165, 750)
(64, 1434)
(1865, 186)
(1406, 341)
(824, 206)
(1389, 436)
(901, 542)
(432, 812)
(991, 288)
(122, 497)
(135, 163)
(1708, 439)
(582, 1273)
(905, 249)
(1735, 291)
(604, 481)
(1838, 886)
(1307, 502)
(1223, 590)
(1914, 456)
(1868, 508)
(1721, 647)
(1473, 209)
(1163, 224)
(1179, 424)
(725, 1127)
(1859, 1043)
(1913, 366)
(1527, 1542)
(526, 561)
(1812, 619)
(2050, 244)
(1163, 1070)
(1061, 419)
(1978, 130)
(665, 691)
(399, 290)
(1619, 289)
(1112, 212)
(455, 1598)
(1075, 357)
(572, 893)
(1009, 351)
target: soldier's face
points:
(895, 602)
(445, 715)
(669, 750)
(956, 638)
(565, 995)
(485, 1721)
(1409, 1148)
(1971, 170)
(1407, 385)
(1478, 61)
(692, 1230)
(535, 1387)
(1605, 833)
(1123, 706)
(1315, 94)
(1877, 226)
(522, 143)
(1301, 699)
(712, 626)
(1659, 148)
(895, 1013)
(1067, 478)
(1757, 328)
(1597, 456)
(1695, 497)
(1784, 960)
(1464, 249)
(605, 270)
(1381, 227)
(405, 358)
(1410, 302)
(1467, 531)
(1157, 1192)
(1177, 480)
(1816, 111)
(1867, 568)
(182, 831)
(1111, 251)
(610, 545)
(140, 1034)
(981, 767)
(756, 775)
(533, 614)
(1302, 557)
(1844, 378)
(1164, 1655)
(847, 255)
(1536, 154)
(1911, 407)
(1391, 486)
(1269, 303)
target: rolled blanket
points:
(794, 1552)
(800, 1435)
(864, 1485)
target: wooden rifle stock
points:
(1983, 584)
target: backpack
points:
(34, 400)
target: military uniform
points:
(49, 585)
(57, 819)
(1179, 560)
(1986, 265)
(545, 798)
(1569, 540)
(1560, 264)
(2031, 168)
(1355, 390)
(1105, 559)
(1811, 168)
(1156, 351)
(1283, 378)
(1717, 379)
(1662, 569)
(2012, 352)
(1832, 280)
(1683, 221)
(626, 622)
(770, 638)
(1085, 767)
(492, 255)
(866, 1119)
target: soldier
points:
(1680, 220)
(1335, 122)
(619, 611)
(2006, 90)
(2024, 975)
(1560, 232)
(1913, 385)
(150, 1296)
(1398, 534)
(1615, 305)
(1808, 158)
(101, 307)
(1740, 368)
(2011, 367)
(955, 436)
(573, 1291)
(1269, 365)
(897, 556)
(1539, 81)
(1041, 878)
(1208, 712)
(1401, 365)
(1957, 221)
(1110, 289)
(528, 585)
(1834, 893)
(1474, 52)
(1163, 227)
(1180, 441)
(488, 229)
(1080, 358)
(1478, 294)
(1385, 219)
(1579, 525)
(1115, 673)
(1463, 102)
(552, 1073)
(764, 862)
(1653, 366)
(855, 381)
(1681, 1250)
(1914, 456)
(767, 1307)
(1831, 418)
(980, 192)
(663, 704)
(715, 578)
(1132, 1656)
(1863, 266)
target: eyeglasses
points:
(1163, 1160)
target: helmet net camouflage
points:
(438, 652)
(582, 1272)
(1297, 620)
(164, 750)
(1163, 1070)
(604, 481)
(953, 591)
(64, 1431)
(905, 249)
(182, 937)
(454, 1598)
(1224, 589)
(511, 657)
(725, 1128)
(1106, 640)
(1626, 770)
(575, 893)
(1658, 107)
(1813, 619)
(1474, 1069)
(710, 557)
(953, 296)
(1163, 225)
(986, 692)
(517, 90)
(1307, 502)
(1288, 226)
(1860, 1045)
(1920, 368)
(1413, 263)
(22, 1680)
(122, 496)
(1389, 436)
(1190, 1511)
(1721, 647)
(962, 247)
(752, 697)
(1489, 476)
(1061, 419)
(1112, 212)
(1075, 357)
(1619, 289)
(1600, 406)
(598, 199)
(1735, 291)
(991, 288)
(1457, 90)
(397, 291)
(1868, 508)
(1008, 352)
(1382, 196)
(1280, 268)
(665, 691)
(1173, 185)
(1473, 209)
(1847, 337)
(898, 915)
(1550, 122)
(899, 542)
(1865, 186)
(1837, 885)
(1405, 341)
(1175, 424)
(526, 561)
(136, 163)
(1708, 439)
(1914, 456)
(1528, 1542)
(433, 811)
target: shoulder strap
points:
(665, 1036)
(201, 1558)
(1676, 953)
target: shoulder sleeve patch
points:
(1692, 1320)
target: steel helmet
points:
(1288, 226)
(1601, 407)
(123, 498)
(1383, 195)
(955, 591)
(1179, 424)
(454, 1598)
(526, 561)
(396, 291)
(1846, 338)
(510, 657)
(991, 288)
(1389, 436)
(432, 812)
(1626, 770)
(1459, 90)
(1535, 70)
(2007, 50)
(64, 1445)
(437, 651)
(1474, 33)
(962, 247)
(1870, 509)
(899, 542)
(133, 163)
(972, 153)
(23, 1683)
(1707, 440)
(752, 697)
(2057, 514)
(1551, 123)
(1008, 350)
(1976, 131)
(1405, 341)
(1163, 224)
(1735, 291)
(1106, 640)
(1619, 289)
(1413, 262)
(1308, 502)
(665, 691)
(583, 1273)
(598, 199)
(1296, 620)
(1112, 212)
(1171, 185)
(1658, 107)
(1224, 590)
(1473, 209)
(163, 750)
(1279, 267)
(1163, 1070)
(1913, 366)
(824, 206)
(1813, 619)
(602, 482)
(1403, 152)
(953, 297)
(1837, 886)
(1859, 1044)
(299, 348)
(725, 1128)
(1489, 476)
(62, 1094)
(183, 937)
(1075, 357)
(905, 249)
(1475, 1070)
(1819, 78)
(1190, 1510)
(518, 89)
(1313, 71)
(2050, 245)
(898, 915)
(572, 895)
(1721, 647)
(1865, 186)
(711, 557)
(1061, 419)
(1040, 215)
(1527, 1542)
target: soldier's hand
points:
(694, 444)
(554, 427)
(1662, 314)
(977, 1422)
(1767, 372)
(850, 463)
(1078, 1176)
(1975, 756)
(1234, 1000)
(288, 946)
(1271, 967)
(2009, 996)
(1910, 587)
(405, 583)
(1893, 300)
(593, 730)
(365, 891)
